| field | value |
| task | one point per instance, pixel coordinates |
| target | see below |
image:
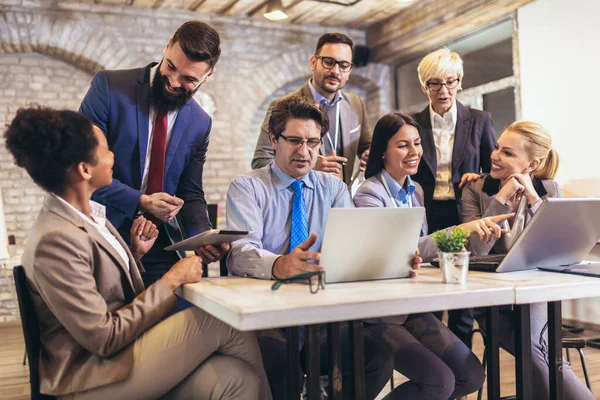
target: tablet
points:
(213, 236)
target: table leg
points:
(523, 370)
(335, 361)
(555, 349)
(492, 349)
(312, 352)
(358, 357)
(293, 361)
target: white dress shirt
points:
(98, 213)
(171, 117)
(443, 128)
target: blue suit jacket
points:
(118, 103)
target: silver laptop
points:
(370, 243)
(559, 236)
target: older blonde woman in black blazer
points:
(523, 166)
(456, 140)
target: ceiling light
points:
(275, 11)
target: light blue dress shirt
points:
(334, 123)
(401, 194)
(261, 202)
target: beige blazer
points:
(89, 306)
(478, 201)
(354, 128)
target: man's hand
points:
(143, 235)
(296, 262)
(363, 160)
(161, 205)
(330, 163)
(210, 253)
(487, 228)
(468, 177)
(416, 264)
(187, 270)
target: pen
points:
(322, 156)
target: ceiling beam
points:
(253, 11)
(228, 7)
(429, 24)
(195, 6)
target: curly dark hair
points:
(47, 142)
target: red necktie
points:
(156, 172)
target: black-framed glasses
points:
(298, 143)
(436, 86)
(314, 286)
(329, 63)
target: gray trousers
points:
(438, 365)
(190, 355)
(573, 387)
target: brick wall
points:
(48, 55)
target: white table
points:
(250, 304)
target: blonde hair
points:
(440, 64)
(539, 147)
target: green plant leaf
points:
(450, 242)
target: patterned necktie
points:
(156, 171)
(299, 227)
(298, 232)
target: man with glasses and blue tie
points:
(348, 136)
(284, 206)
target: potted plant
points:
(454, 262)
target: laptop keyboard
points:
(491, 258)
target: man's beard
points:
(163, 101)
(324, 86)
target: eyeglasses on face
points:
(298, 143)
(314, 287)
(435, 86)
(329, 63)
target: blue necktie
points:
(299, 227)
(298, 231)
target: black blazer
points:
(474, 142)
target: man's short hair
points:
(333, 37)
(199, 41)
(296, 107)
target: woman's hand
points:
(467, 178)
(528, 189)
(512, 190)
(487, 228)
(143, 235)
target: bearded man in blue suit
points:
(159, 136)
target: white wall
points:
(560, 88)
(560, 60)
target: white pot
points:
(454, 266)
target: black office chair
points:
(31, 332)
(569, 341)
